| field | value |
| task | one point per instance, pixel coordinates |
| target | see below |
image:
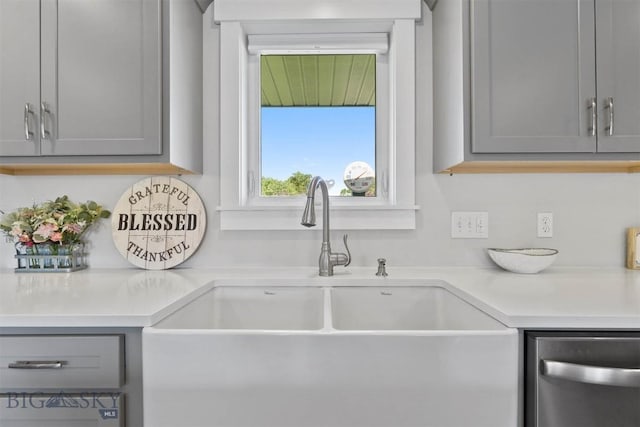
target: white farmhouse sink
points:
(260, 308)
(330, 356)
(405, 308)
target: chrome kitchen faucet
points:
(327, 259)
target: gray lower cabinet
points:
(89, 82)
(536, 80)
(70, 377)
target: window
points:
(317, 117)
(255, 41)
(298, 143)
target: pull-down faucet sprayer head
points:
(309, 214)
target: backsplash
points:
(591, 211)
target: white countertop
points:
(559, 298)
(95, 298)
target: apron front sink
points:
(330, 356)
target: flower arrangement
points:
(60, 222)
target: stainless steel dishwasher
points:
(582, 379)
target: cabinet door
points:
(533, 76)
(19, 77)
(618, 47)
(101, 77)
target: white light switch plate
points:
(470, 225)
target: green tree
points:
(273, 187)
(295, 185)
(299, 182)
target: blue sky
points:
(316, 140)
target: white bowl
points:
(528, 261)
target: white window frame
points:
(300, 44)
(325, 26)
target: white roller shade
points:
(372, 43)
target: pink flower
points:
(24, 238)
(44, 231)
(56, 236)
(73, 228)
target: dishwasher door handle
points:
(621, 377)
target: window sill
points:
(342, 218)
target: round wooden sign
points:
(158, 223)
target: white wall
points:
(591, 211)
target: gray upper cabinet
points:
(100, 71)
(521, 83)
(533, 76)
(84, 86)
(95, 88)
(19, 77)
(618, 56)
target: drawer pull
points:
(37, 364)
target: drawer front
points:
(61, 362)
(61, 410)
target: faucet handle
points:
(339, 258)
(346, 246)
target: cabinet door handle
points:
(28, 111)
(44, 133)
(608, 105)
(621, 377)
(593, 123)
(37, 364)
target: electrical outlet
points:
(545, 224)
(469, 225)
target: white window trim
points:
(238, 209)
